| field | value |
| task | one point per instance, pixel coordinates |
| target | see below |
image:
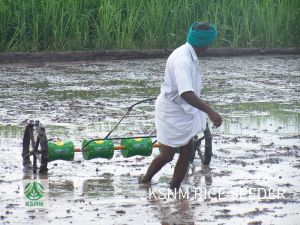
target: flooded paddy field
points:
(257, 148)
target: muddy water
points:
(257, 146)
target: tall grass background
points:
(60, 25)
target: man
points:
(179, 110)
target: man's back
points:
(181, 75)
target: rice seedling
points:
(59, 25)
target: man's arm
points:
(195, 101)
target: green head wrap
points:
(201, 38)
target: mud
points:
(19, 57)
(257, 146)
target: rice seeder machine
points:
(47, 150)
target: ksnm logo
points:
(34, 191)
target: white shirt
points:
(177, 121)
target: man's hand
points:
(215, 118)
(195, 101)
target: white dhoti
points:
(175, 127)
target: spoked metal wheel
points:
(29, 142)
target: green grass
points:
(60, 25)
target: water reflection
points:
(61, 188)
(98, 187)
(180, 210)
(177, 209)
(285, 124)
(177, 212)
(197, 176)
(29, 175)
(9, 131)
(57, 188)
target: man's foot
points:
(142, 180)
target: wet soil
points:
(21, 57)
(257, 147)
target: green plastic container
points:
(98, 149)
(60, 150)
(136, 146)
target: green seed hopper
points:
(64, 150)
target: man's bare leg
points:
(166, 155)
(182, 165)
